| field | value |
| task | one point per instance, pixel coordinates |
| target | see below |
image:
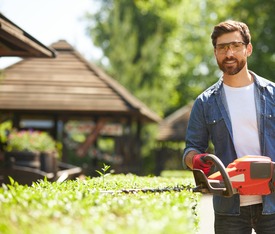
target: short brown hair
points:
(231, 26)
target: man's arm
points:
(197, 135)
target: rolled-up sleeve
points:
(197, 135)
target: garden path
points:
(206, 214)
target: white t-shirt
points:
(241, 104)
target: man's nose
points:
(229, 51)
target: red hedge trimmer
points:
(249, 175)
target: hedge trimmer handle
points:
(205, 185)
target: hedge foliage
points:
(98, 205)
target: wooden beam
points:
(83, 148)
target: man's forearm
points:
(189, 158)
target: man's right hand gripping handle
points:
(199, 163)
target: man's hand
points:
(200, 163)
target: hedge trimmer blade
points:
(177, 188)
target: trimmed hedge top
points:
(97, 205)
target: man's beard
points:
(231, 70)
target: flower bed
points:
(32, 141)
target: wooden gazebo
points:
(70, 88)
(15, 42)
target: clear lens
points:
(233, 46)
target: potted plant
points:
(30, 148)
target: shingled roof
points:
(173, 127)
(67, 84)
(14, 41)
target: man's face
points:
(231, 54)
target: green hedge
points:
(97, 205)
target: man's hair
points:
(231, 26)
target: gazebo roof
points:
(14, 41)
(67, 84)
(173, 127)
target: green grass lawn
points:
(97, 205)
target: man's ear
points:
(249, 49)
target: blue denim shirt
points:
(210, 120)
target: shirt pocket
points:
(216, 125)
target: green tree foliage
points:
(132, 41)
(160, 50)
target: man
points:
(238, 115)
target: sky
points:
(49, 21)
